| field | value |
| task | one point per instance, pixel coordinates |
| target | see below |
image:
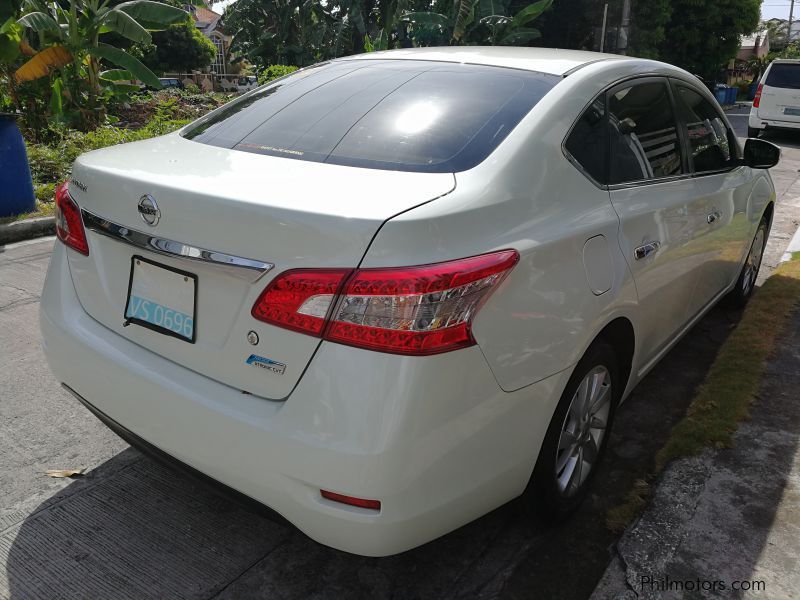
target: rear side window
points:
(644, 141)
(784, 75)
(712, 144)
(588, 142)
(385, 114)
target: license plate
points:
(795, 112)
(162, 298)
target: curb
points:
(27, 229)
(794, 246)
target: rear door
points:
(780, 95)
(653, 193)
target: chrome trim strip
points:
(172, 248)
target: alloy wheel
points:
(583, 431)
(753, 262)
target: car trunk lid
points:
(233, 220)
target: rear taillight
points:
(418, 310)
(69, 225)
(300, 299)
(757, 98)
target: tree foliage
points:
(63, 44)
(180, 48)
(702, 36)
(302, 32)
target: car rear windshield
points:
(386, 114)
(784, 75)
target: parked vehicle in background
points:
(777, 101)
(247, 82)
(171, 82)
(386, 294)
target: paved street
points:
(133, 529)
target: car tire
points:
(560, 481)
(746, 282)
(752, 132)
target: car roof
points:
(543, 60)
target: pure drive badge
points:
(266, 363)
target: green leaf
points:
(10, 38)
(530, 12)
(124, 88)
(41, 22)
(126, 25)
(464, 17)
(520, 36)
(116, 75)
(56, 104)
(427, 19)
(126, 61)
(490, 7)
(154, 16)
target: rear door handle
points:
(713, 216)
(646, 250)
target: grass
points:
(43, 209)
(731, 384)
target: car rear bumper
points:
(433, 438)
(757, 123)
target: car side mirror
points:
(760, 154)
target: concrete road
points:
(133, 529)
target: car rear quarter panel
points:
(526, 196)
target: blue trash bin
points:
(720, 94)
(751, 92)
(732, 93)
(16, 187)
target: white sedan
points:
(386, 294)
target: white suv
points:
(777, 101)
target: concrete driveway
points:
(134, 529)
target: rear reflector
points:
(757, 98)
(69, 224)
(360, 502)
(419, 310)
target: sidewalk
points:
(727, 517)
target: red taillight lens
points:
(300, 299)
(757, 98)
(69, 224)
(418, 310)
(351, 500)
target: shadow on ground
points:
(143, 531)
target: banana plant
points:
(69, 40)
(470, 22)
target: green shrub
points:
(45, 192)
(275, 71)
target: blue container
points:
(720, 94)
(732, 93)
(751, 93)
(16, 187)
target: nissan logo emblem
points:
(149, 210)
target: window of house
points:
(588, 142)
(644, 142)
(219, 60)
(712, 144)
